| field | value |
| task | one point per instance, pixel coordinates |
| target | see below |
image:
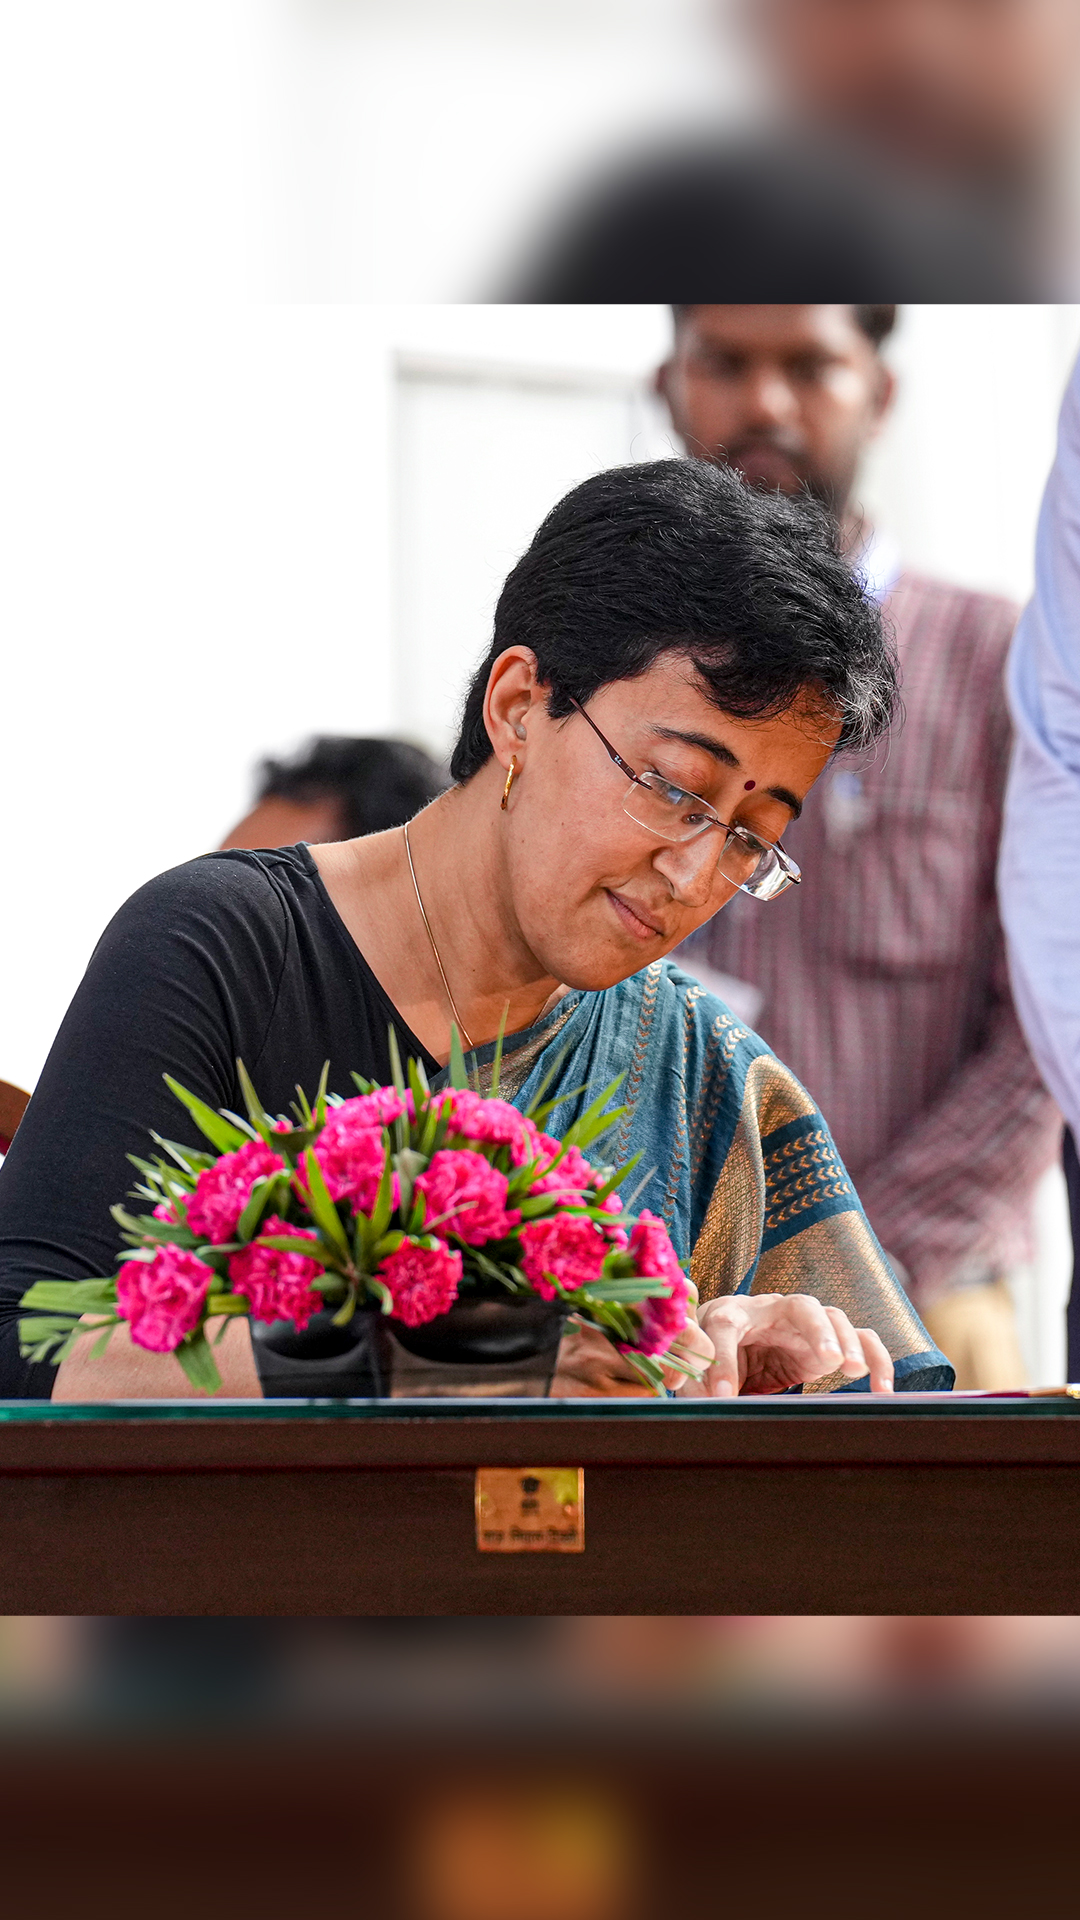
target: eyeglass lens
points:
(749, 862)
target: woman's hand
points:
(127, 1372)
(589, 1366)
(768, 1341)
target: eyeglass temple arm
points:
(605, 743)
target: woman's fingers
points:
(864, 1352)
(878, 1361)
(726, 1323)
(853, 1360)
(799, 1327)
(805, 1340)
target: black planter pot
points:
(497, 1330)
(321, 1361)
(485, 1344)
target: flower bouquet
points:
(399, 1200)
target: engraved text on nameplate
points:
(530, 1509)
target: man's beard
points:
(768, 464)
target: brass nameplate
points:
(530, 1509)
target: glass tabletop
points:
(1061, 1403)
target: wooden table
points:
(919, 1504)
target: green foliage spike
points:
(323, 1211)
(496, 1064)
(256, 1113)
(319, 1109)
(220, 1133)
(396, 1074)
(459, 1078)
(198, 1363)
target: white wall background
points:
(318, 150)
(229, 528)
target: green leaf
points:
(362, 1085)
(427, 1141)
(540, 1204)
(345, 1312)
(507, 1276)
(319, 1111)
(534, 1109)
(396, 1074)
(647, 1370)
(628, 1205)
(233, 1304)
(323, 1211)
(103, 1339)
(189, 1159)
(459, 1078)
(617, 1176)
(407, 1164)
(198, 1362)
(220, 1133)
(292, 1243)
(304, 1108)
(418, 1086)
(40, 1334)
(496, 1064)
(262, 1191)
(71, 1296)
(625, 1292)
(384, 1202)
(143, 1226)
(387, 1244)
(256, 1112)
(382, 1293)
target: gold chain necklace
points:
(463, 1030)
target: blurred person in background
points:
(1041, 840)
(980, 99)
(883, 980)
(927, 144)
(337, 789)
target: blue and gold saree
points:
(734, 1154)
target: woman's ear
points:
(513, 692)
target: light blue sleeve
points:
(1039, 866)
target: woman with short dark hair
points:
(675, 660)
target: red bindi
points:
(750, 785)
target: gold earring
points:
(510, 778)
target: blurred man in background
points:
(338, 789)
(930, 144)
(882, 978)
(981, 98)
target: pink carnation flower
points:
(573, 1176)
(376, 1109)
(567, 1247)
(423, 1281)
(350, 1151)
(662, 1320)
(467, 1187)
(165, 1211)
(161, 1299)
(495, 1123)
(277, 1284)
(654, 1255)
(223, 1190)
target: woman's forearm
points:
(128, 1372)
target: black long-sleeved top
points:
(235, 955)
